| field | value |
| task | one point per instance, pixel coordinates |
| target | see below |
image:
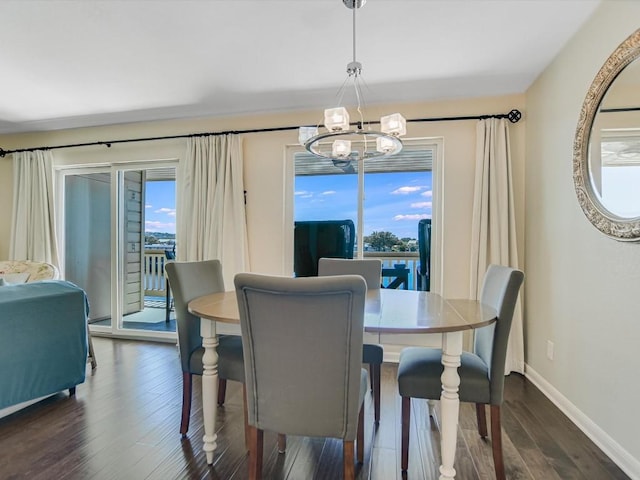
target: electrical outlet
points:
(549, 349)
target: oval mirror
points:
(606, 157)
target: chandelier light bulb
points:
(305, 133)
(336, 119)
(341, 148)
(394, 124)
(384, 145)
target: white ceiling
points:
(87, 62)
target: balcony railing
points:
(391, 260)
(155, 282)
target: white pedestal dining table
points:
(386, 311)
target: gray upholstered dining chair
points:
(481, 372)
(423, 272)
(287, 325)
(372, 354)
(188, 281)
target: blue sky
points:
(160, 207)
(394, 202)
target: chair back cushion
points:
(499, 290)
(313, 240)
(424, 246)
(302, 341)
(189, 280)
(370, 269)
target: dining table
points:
(387, 311)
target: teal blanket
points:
(43, 339)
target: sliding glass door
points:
(87, 239)
(385, 199)
(119, 231)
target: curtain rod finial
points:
(514, 116)
(3, 152)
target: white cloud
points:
(406, 190)
(329, 192)
(148, 206)
(169, 211)
(413, 217)
(154, 226)
(427, 193)
(303, 192)
(421, 205)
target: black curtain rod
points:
(624, 109)
(513, 116)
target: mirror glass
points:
(606, 149)
(614, 145)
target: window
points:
(620, 173)
(385, 200)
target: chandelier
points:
(361, 142)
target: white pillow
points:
(12, 278)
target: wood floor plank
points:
(479, 451)
(590, 460)
(384, 461)
(547, 443)
(307, 455)
(124, 422)
(536, 463)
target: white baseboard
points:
(621, 457)
(5, 412)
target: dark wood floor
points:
(123, 424)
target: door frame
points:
(437, 208)
(116, 171)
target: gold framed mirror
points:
(606, 149)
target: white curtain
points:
(493, 225)
(33, 233)
(211, 221)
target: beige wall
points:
(265, 171)
(582, 289)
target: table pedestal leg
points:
(450, 402)
(209, 386)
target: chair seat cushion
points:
(372, 353)
(230, 360)
(420, 369)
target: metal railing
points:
(155, 282)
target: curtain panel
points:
(33, 233)
(493, 227)
(211, 219)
